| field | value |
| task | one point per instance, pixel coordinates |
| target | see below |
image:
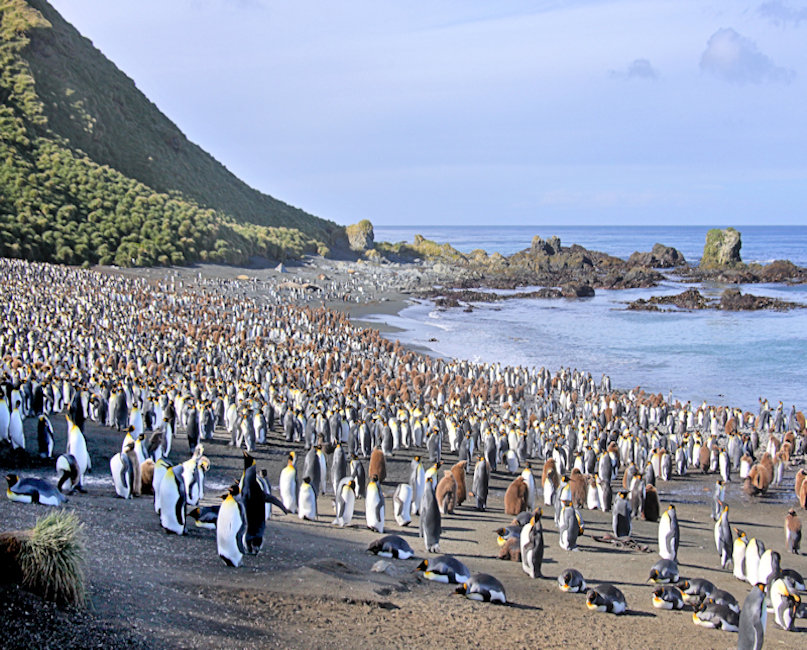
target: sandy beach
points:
(312, 585)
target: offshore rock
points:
(574, 290)
(722, 249)
(730, 300)
(691, 299)
(783, 271)
(734, 300)
(661, 257)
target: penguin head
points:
(462, 589)
(249, 461)
(422, 566)
(12, 480)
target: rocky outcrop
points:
(690, 300)
(734, 300)
(782, 271)
(722, 249)
(730, 300)
(661, 257)
(360, 236)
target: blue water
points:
(719, 357)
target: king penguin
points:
(402, 504)
(122, 473)
(531, 541)
(430, 518)
(344, 502)
(231, 527)
(15, 429)
(288, 484)
(67, 468)
(753, 617)
(480, 484)
(417, 479)
(620, 519)
(77, 447)
(172, 501)
(669, 534)
(307, 501)
(374, 505)
(723, 539)
(44, 436)
(33, 490)
(738, 554)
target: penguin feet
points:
(80, 489)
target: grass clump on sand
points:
(48, 559)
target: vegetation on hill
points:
(91, 171)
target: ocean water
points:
(717, 357)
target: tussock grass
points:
(51, 558)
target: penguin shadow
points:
(638, 614)
(701, 568)
(528, 608)
(753, 524)
(456, 529)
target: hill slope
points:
(91, 171)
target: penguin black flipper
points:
(271, 498)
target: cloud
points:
(637, 69)
(736, 59)
(781, 14)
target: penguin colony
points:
(159, 364)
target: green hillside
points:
(92, 172)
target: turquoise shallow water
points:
(722, 358)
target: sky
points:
(469, 112)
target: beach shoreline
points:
(313, 585)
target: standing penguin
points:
(516, 497)
(430, 518)
(338, 467)
(753, 551)
(44, 436)
(374, 508)
(345, 502)
(480, 484)
(417, 480)
(604, 494)
(77, 447)
(669, 534)
(723, 539)
(378, 465)
(718, 498)
(307, 500)
(288, 484)
(358, 476)
(738, 554)
(569, 527)
(254, 499)
(531, 541)
(312, 469)
(402, 504)
(231, 527)
(172, 501)
(753, 617)
(620, 520)
(122, 473)
(792, 531)
(15, 429)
